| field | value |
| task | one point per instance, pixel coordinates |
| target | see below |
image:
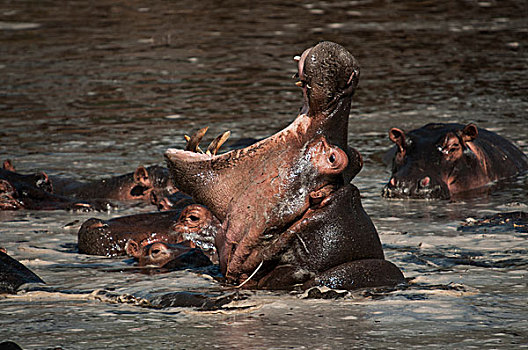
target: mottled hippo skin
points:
(109, 237)
(278, 195)
(445, 160)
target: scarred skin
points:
(35, 192)
(168, 256)
(262, 193)
(109, 237)
(446, 160)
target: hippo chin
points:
(439, 161)
(267, 194)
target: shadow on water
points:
(92, 89)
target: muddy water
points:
(91, 89)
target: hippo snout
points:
(425, 187)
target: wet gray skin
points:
(91, 90)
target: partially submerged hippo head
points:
(263, 192)
(440, 160)
(168, 256)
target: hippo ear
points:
(8, 165)
(470, 132)
(398, 137)
(132, 248)
(141, 176)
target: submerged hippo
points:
(289, 215)
(35, 192)
(142, 184)
(441, 160)
(109, 237)
(168, 256)
(13, 274)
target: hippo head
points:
(435, 161)
(197, 225)
(168, 256)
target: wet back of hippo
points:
(13, 274)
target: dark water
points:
(95, 88)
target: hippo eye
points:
(454, 148)
(332, 158)
(155, 252)
(194, 218)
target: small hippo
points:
(168, 256)
(440, 160)
(109, 237)
(13, 274)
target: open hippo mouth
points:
(257, 192)
(265, 195)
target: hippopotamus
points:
(143, 184)
(168, 256)
(442, 160)
(109, 237)
(35, 191)
(280, 199)
(13, 274)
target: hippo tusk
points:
(194, 140)
(217, 143)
